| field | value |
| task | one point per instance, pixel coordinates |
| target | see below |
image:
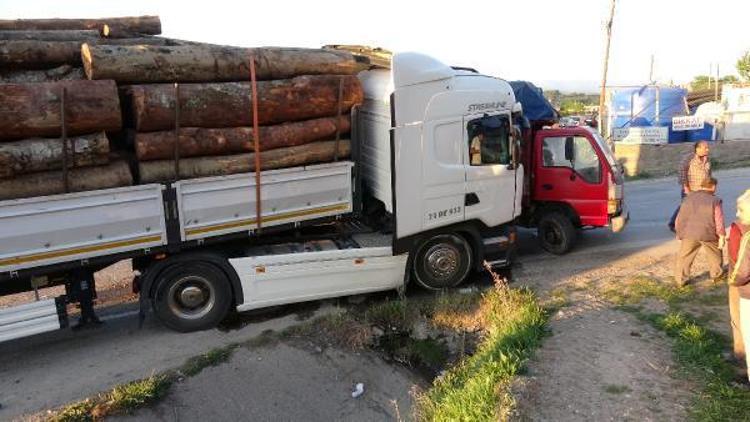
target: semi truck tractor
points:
(430, 194)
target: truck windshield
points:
(489, 140)
(606, 150)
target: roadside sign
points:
(641, 135)
(687, 123)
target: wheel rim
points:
(551, 235)
(442, 262)
(191, 297)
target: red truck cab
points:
(572, 182)
(571, 178)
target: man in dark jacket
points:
(700, 224)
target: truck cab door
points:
(569, 170)
(443, 174)
(490, 172)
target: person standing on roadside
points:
(693, 170)
(700, 224)
(739, 275)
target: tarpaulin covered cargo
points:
(535, 106)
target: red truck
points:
(571, 179)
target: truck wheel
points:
(442, 262)
(192, 296)
(556, 233)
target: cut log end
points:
(86, 59)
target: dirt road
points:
(599, 364)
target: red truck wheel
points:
(556, 233)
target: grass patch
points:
(635, 289)
(395, 315)
(617, 389)
(558, 298)
(214, 357)
(76, 412)
(122, 399)
(338, 329)
(477, 388)
(456, 311)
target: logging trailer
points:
(429, 194)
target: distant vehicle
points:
(570, 121)
(574, 121)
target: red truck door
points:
(578, 178)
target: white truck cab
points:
(434, 183)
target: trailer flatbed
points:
(134, 221)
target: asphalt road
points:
(52, 369)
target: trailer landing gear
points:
(83, 290)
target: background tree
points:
(701, 82)
(743, 66)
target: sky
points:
(555, 44)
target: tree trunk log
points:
(196, 142)
(33, 110)
(317, 152)
(81, 179)
(44, 154)
(39, 54)
(210, 63)
(134, 24)
(64, 35)
(65, 72)
(43, 54)
(229, 104)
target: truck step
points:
(33, 318)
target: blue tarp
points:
(535, 106)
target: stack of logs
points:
(187, 108)
(44, 98)
(190, 108)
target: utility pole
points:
(651, 71)
(603, 92)
(716, 83)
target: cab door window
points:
(582, 156)
(489, 140)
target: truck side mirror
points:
(569, 155)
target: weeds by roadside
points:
(477, 388)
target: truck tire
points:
(442, 262)
(192, 296)
(556, 233)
